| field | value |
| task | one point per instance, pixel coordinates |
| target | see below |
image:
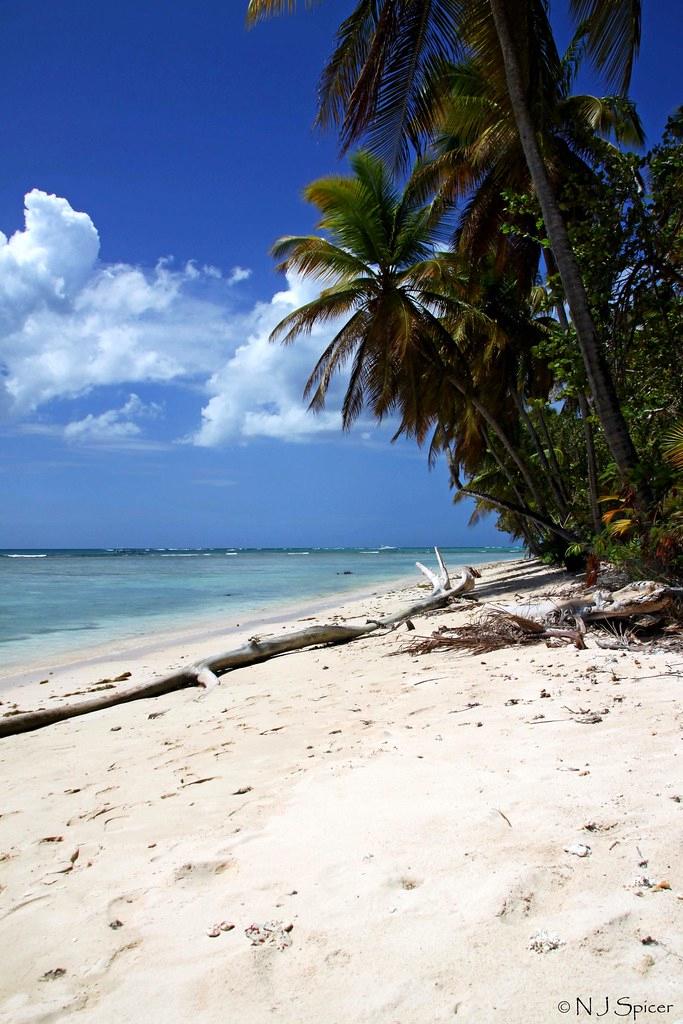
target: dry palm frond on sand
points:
(490, 631)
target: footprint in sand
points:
(201, 869)
(338, 958)
(405, 882)
(120, 905)
(516, 905)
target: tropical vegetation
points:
(502, 275)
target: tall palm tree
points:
(598, 375)
(475, 160)
(416, 346)
(381, 77)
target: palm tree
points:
(416, 346)
(475, 161)
(475, 158)
(381, 76)
(598, 375)
(385, 282)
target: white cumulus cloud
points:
(70, 324)
(45, 265)
(258, 391)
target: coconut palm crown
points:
(384, 279)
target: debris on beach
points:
(56, 972)
(641, 882)
(591, 718)
(217, 929)
(488, 632)
(578, 849)
(553, 621)
(544, 942)
(272, 933)
(70, 866)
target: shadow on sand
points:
(526, 574)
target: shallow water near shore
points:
(53, 602)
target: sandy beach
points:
(352, 834)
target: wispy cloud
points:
(214, 482)
(114, 425)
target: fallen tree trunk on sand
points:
(206, 673)
(643, 598)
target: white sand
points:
(415, 845)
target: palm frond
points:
(329, 305)
(673, 446)
(358, 211)
(388, 54)
(612, 33)
(619, 527)
(608, 116)
(259, 10)
(317, 258)
(573, 57)
(335, 356)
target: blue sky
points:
(162, 148)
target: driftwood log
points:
(206, 673)
(643, 598)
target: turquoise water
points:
(60, 601)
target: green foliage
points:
(467, 353)
(471, 344)
(672, 448)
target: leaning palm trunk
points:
(590, 461)
(510, 449)
(468, 393)
(554, 481)
(552, 456)
(584, 410)
(526, 525)
(506, 473)
(599, 379)
(508, 506)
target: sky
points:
(152, 151)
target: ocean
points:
(57, 602)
